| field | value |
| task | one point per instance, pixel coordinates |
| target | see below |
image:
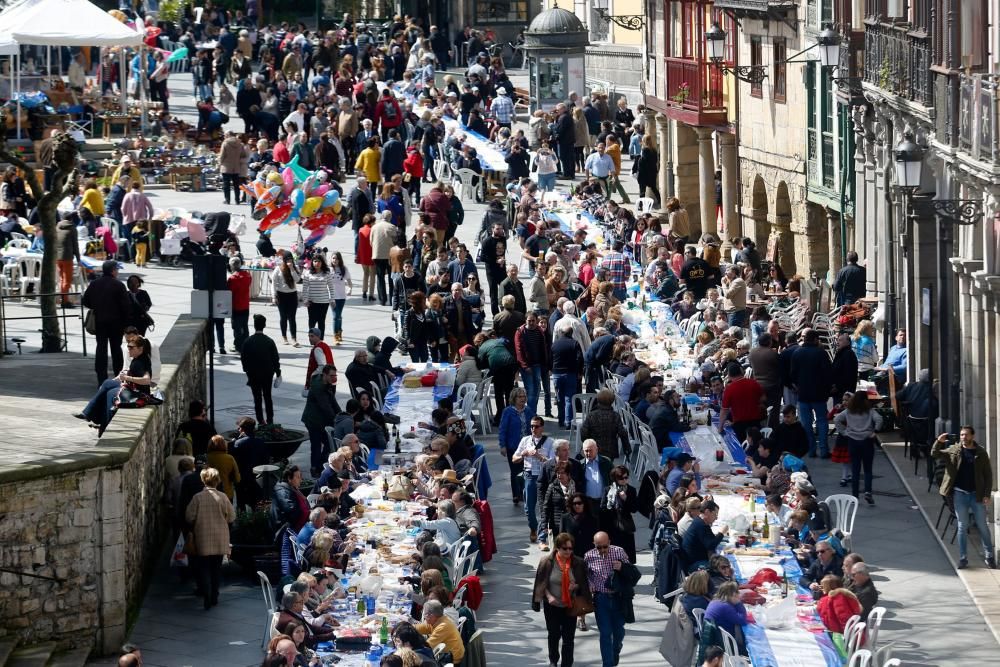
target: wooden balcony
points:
(898, 61)
(756, 6)
(693, 92)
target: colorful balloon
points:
(288, 178)
(310, 206)
(268, 197)
(337, 206)
(320, 190)
(331, 198)
(274, 178)
(319, 221)
(300, 172)
(275, 217)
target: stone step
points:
(6, 648)
(36, 655)
(76, 657)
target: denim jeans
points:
(547, 390)
(531, 499)
(611, 626)
(565, 387)
(738, 318)
(100, 407)
(532, 379)
(338, 315)
(965, 502)
(862, 453)
(807, 410)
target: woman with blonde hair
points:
(863, 344)
(582, 136)
(209, 514)
(220, 459)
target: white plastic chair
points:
(853, 641)
(861, 658)
(849, 626)
(892, 662)
(10, 279)
(442, 170)
(581, 406)
(883, 656)
(699, 616)
(844, 508)
(476, 470)
(732, 649)
(485, 411)
(466, 179)
(644, 204)
(766, 431)
(269, 605)
(31, 274)
(874, 622)
(466, 399)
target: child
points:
(840, 453)
(140, 239)
(226, 98)
(777, 510)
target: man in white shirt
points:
(533, 450)
(298, 117)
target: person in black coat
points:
(266, 122)
(566, 141)
(811, 374)
(247, 97)
(108, 298)
(393, 155)
(579, 522)
(700, 541)
(361, 204)
(517, 163)
(849, 284)
(617, 511)
(259, 357)
(249, 452)
(845, 368)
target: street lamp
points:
(947, 213)
(715, 46)
(829, 47)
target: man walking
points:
(849, 284)
(259, 356)
(603, 561)
(532, 355)
(533, 450)
(811, 373)
(320, 411)
(239, 285)
(109, 300)
(968, 478)
(600, 166)
(361, 204)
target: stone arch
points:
(783, 229)
(758, 211)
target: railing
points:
(693, 85)
(898, 61)
(65, 313)
(977, 115)
(756, 5)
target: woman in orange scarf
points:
(561, 591)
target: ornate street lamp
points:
(946, 214)
(715, 46)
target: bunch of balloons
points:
(296, 196)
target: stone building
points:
(928, 74)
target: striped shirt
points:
(601, 566)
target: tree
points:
(64, 184)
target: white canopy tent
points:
(59, 23)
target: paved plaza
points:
(932, 619)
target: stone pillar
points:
(993, 437)
(664, 178)
(835, 243)
(687, 174)
(731, 226)
(990, 358)
(706, 180)
(973, 398)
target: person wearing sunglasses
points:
(827, 562)
(611, 575)
(137, 378)
(533, 450)
(619, 504)
(562, 592)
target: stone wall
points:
(94, 521)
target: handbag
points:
(129, 397)
(580, 607)
(400, 488)
(90, 323)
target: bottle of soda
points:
(383, 632)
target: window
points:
(780, 69)
(973, 33)
(827, 109)
(756, 60)
(501, 11)
(600, 30)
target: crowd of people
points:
(374, 115)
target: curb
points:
(930, 525)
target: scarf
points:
(567, 599)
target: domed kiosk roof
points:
(556, 28)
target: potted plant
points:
(253, 542)
(281, 442)
(683, 92)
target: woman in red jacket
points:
(413, 167)
(837, 604)
(364, 258)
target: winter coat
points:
(604, 425)
(232, 152)
(210, 512)
(836, 608)
(578, 568)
